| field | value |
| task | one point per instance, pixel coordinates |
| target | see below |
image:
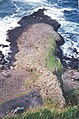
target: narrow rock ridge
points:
(31, 44)
(25, 23)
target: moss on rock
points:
(53, 63)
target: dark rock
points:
(1, 67)
(18, 110)
(6, 66)
(1, 55)
(0, 52)
(58, 52)
(2, 113)
(59, 40)
(2, 45)
(39, 17)
(22, 103)
(70, 62)
(2, 61)
(75, 50)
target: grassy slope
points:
(71, 113)
(52, 61)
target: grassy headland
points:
(37, 68)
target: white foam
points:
(67, 27)
(10, 22)
(5, 51)
(32, 1)
(6, 24)
(70, 27)
(68, 48)
(55, 13)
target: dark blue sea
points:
(66, 12)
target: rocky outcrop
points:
(34, 45)
(2, 61)
(71, 79)
(20, 104)
(30, 70)
(25, 23)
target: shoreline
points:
(25, 22)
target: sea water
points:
(66, 12)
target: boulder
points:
(20, 104)
(1, 56)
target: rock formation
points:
(33, 69)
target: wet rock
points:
(71, 63)
(3, 63)
(1, 67)
(58, 52)
(39, 17)
(1, 56)
(59, 39)
(6, 66)
(2, 45)
(2, 60)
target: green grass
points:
(72, 96)
(52, 61)
(71, 113)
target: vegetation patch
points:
(52, 61)
(70, 113)
(72, 96)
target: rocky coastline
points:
(25, 22)
(29, 80)
(30, 41)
